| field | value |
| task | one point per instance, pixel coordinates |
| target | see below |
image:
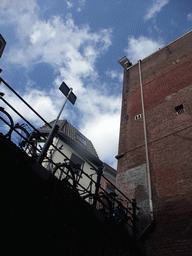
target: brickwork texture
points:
(167, 84)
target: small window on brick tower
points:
(179, 109)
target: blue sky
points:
(80, 42)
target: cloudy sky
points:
(80, 42)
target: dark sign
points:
(65, 90)
(2, 45)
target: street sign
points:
(65, 90)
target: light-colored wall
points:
(59, 158)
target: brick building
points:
(155, 146)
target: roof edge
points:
(160, 49)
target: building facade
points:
(79, 150)
(155, 146)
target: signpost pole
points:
(48, 141)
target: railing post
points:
(99, 173)
(134, 216)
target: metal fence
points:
(113, 206)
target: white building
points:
(79, 150)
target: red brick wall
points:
(167, 83)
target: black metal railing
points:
(115, 206)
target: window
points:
(81, 139)
(77, 160)
(137, 116)
(40, 145)
(179, 109)
(36, 145)
(110, 188)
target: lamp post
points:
(72, 98)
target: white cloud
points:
(21, 13)
(41, 101)
(142, 47)
(101, 122)
(155, 8)
(60, 43)
(113, 74)
(69, 4)
(189, 17)
(103, 130)
(73, 52)
(79, 3)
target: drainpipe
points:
(146, 147)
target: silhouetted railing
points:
(114, 206)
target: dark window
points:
(81, 139)
(77, 165)
(179, 109)
(77, 160)
(110, 188)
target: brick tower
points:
(155, 146)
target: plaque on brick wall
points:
(2, 45)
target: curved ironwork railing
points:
(121, 205)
